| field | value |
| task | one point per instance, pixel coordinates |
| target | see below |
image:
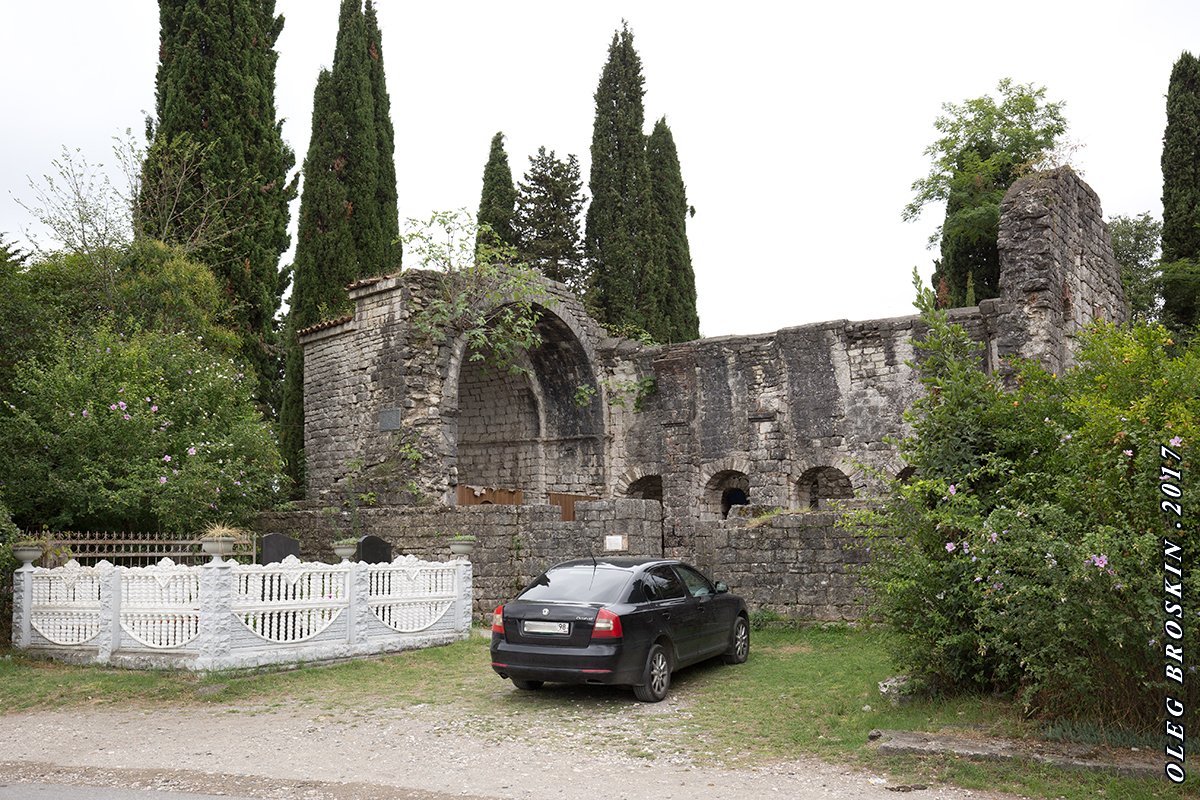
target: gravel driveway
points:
(427, 752)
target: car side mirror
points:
(721, 587)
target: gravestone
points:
(374, 550)
(276, 547)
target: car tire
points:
(739, 643)
(656, 677)
(528, 686)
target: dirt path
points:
(388, 754)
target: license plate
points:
(541, 626)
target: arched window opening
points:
(823, 483)
(648, 487)
(725, 490)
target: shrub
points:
(1027, 555)
(145, 431)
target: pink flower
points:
(153, 409)
(162, 479)
(1176, 441)
(1128, 453)
(993, 537)
(950, 547)
(167, 458)
(85, 412)
(191, 451)
(121, 405)
(113, 407)
(126, 416)
(953, 489)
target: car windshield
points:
(582, 583)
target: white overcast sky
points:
(800, 126)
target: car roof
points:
(629, 563)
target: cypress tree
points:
(620, 232)
(549, 201)
(498, 200)
(1181, 196)
(386, 195)
(215, 88)
(670, 200)
(348, 225)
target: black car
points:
(624, 621)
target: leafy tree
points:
(621, 239)
(216, 92)
(1181, 196)
(1135, 247)
(670, 200)
(143, 431)
(549, 202)
(498, 200)
(348, 226)
(985, 145)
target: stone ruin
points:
(692, 432)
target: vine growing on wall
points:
(486, 293)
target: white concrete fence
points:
(225, 615)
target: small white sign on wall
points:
(617, 541)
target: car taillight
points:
(608, 625)
(498, 620)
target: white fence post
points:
(109, 638)
(463, 600)
(22, 605)
(216, 626)
(353, 576)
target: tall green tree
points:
(215, 89)
(1135, 243)
(497, 202)
(1181, 196)
(672, 210)
(549, 202)
(985, 145)
(386, 193)
(348, 225)
(620, 232)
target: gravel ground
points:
(428, 752)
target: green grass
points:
(803, 692)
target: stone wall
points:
(514, 544)
(799, 565)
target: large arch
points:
(510, 426)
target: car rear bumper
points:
(610, 663)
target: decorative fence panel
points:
(65, 607)
(291, 601)
(227, 615)
(410, 595)
(160, 605)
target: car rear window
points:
(581, 584)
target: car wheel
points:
(739, 643)
(529, 686)
(656, 678)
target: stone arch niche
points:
(530, 433)
(823, 483)
(723, 491)
(647, 487)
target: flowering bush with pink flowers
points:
(1026, 556)
(143, 431)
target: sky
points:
(800, 127)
